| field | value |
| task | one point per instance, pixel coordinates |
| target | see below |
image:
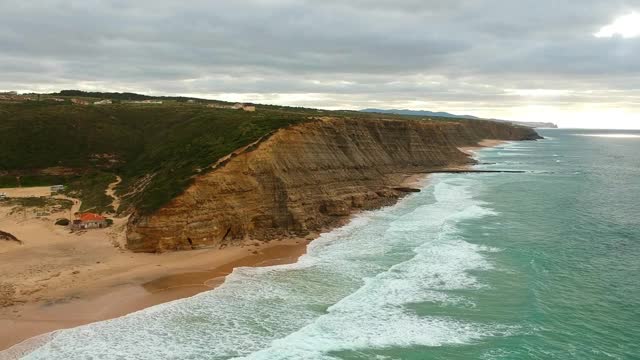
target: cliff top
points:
(157, 149)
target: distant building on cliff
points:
(12, 95)
(237, 106)
(245, 107)
(79, 102)
(143, 102)
(89, 221)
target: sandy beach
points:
(57, 279)
(471, 150)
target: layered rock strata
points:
(308, 178)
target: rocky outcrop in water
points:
(307, 178)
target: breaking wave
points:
(352, 290)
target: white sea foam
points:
(350, 291)
(518, 148)
(375, 316)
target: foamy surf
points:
(350, 291)
(375, 316)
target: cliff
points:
(441, 114)
(308, 177)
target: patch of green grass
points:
(90, 188)
(33, 180)
(8, 181)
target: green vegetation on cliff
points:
(157, 149)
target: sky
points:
(573, 62)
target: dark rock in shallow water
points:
(406, 189)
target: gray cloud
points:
(360, 52)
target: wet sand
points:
(138, 287)
(471, 150)
(59, 280)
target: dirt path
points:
(111, 191)
(77, 203)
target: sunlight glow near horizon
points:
(585, 117)
(578, 116)
(627, 26)
(612, 136)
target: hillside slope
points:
(156, 149)
(534, 124)
(308, 177)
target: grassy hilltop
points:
(46, 143)
(156, 148)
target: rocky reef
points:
(307, 178)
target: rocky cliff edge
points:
(308, 178)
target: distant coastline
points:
(534, 124)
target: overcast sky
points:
(574, 62)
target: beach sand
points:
(471, 150)
(57, 279)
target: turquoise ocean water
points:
(539, 265)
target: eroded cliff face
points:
(307, 178)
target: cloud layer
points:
(492, 58)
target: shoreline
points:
(145, 286)
(471, 150)
(144, 280)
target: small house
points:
(89, 221)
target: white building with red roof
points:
(89, 221)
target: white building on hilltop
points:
(245, 107)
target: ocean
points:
(543, 264)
